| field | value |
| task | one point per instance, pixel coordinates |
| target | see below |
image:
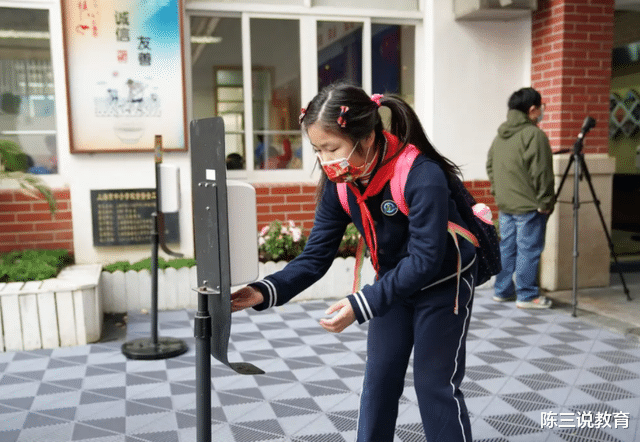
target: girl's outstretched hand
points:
(342, 320)
(244, 298)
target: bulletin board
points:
(125, 74)
(122, 217)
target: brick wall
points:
(481, 191)
(297, 202)
(571, 67)
(26, 223)
(283, 202)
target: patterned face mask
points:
(341, 170)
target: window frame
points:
(56, 46)
(308, 18)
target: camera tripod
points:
(581, 171)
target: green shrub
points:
(145, 264)
(123, 266)
(178, 263)
(33, 265)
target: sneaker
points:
(501, 299)
(537, 303)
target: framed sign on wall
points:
(125, 74)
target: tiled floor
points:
(522, 367)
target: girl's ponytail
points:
(406, 125)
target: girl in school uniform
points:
(423, 292)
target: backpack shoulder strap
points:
(400, 173)
(344, 199)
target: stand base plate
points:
(145, 349)
(245, 368)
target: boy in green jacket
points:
(520, 170)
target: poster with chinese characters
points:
(125, 74)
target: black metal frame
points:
(212, 323)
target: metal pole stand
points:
(202, 333)
(155, 348)
(580, 171)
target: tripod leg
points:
(576, 206)
(576, 210)
(604, 225)
(564, 177)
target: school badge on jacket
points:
(389, 207)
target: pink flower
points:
(264, 230)
(261, 241)
(297, 234)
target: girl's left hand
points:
(342, 320)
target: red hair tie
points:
(303, 112)
(376, 98)
(341, 120)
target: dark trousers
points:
(428, 321)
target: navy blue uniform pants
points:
(426, 323)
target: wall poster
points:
(125, 74)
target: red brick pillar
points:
(572, 42)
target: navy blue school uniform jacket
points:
(414, 251)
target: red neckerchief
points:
(375, 186)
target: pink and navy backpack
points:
(482, 233)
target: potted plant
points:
(10, 103)
(280, 241)
(13, 167)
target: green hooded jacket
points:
(520, 168)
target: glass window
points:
(27, 97)
(392, 60)
(271, 130)
(339, 52)
(216, 71)
(275, 92)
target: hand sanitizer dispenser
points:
(243, 232)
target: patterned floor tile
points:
(520, 365)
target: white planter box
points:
(131, 291)
(56, 312)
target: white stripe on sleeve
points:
(364, 306)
